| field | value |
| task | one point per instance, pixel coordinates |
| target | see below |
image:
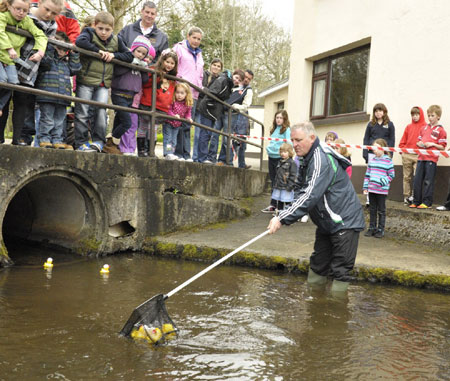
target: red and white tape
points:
(357, 146)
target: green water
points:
(235, 324)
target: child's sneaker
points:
(442, 208)
(269, 209)
(413, 206)
(304, 219)
(379, 234)
(86, 147)
(97, 146)
(423, 206)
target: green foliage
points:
(173, 29)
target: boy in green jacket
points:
(94, 79)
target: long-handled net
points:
(151, 321)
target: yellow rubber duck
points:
(139, 333)
(168, 331)
(105, 269)
(49, 263)
(154, 334)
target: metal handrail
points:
(153, 113)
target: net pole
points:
(217, 263)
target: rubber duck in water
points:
(154, 334)
(105, 269)
(151, 334)
(139, 333)
(49, 263)
(169, 331)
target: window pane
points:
(319, 97)
(348, 83)
(320, 67)
(280, 106)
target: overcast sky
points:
(281, 11)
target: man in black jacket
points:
(325, 191)
(146, 26)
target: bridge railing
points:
(153, 113)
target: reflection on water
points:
(234, 323)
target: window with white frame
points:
(339, 84)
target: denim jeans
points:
(8, 74)
(122, 119)
(170, 134)
(204, 138)
(196, 139)
(223, 149)
(183, 148)
(52, 122)
(82, 115)
(214, 143)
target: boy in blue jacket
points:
(56, 68)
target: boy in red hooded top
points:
(409, 160)
(431, 137)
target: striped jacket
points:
(380, 172)
(324, 190)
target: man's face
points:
(302, 142)
(102, 30)
(148, 16)
(247, 79)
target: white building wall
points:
(409, 56)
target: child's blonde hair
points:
(188, 101)
(58, 3)
(286, 147)
(105, 18)
(381, 142)
(4, 4)
(342, 150)
(436, 109)
(89, 21)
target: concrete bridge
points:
(98, 204)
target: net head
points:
(150, 321)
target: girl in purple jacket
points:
(125, 85)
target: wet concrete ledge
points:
(414, 252)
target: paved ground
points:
(296, 241)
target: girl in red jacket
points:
(165, 88)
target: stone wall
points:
(97, 203)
